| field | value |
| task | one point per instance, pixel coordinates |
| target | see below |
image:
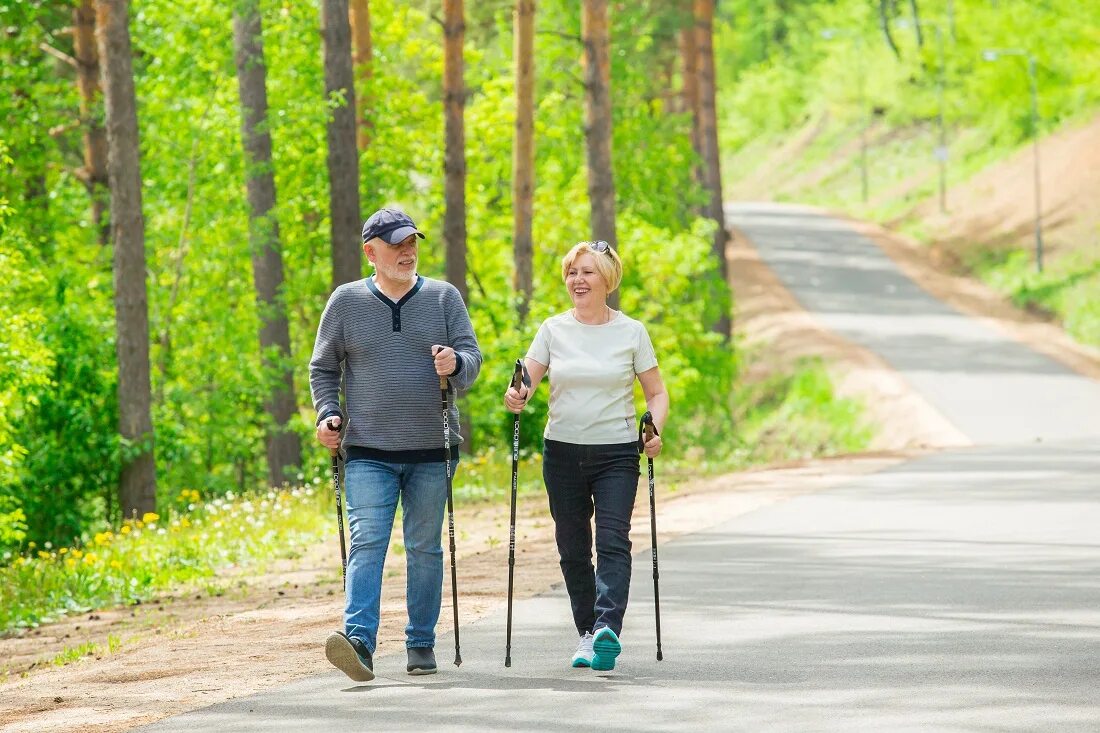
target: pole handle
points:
(521, 377)
(646, 430)
(337, 428)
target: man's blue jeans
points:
(373, 489)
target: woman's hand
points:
(653, 446)
(515, 400)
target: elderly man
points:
(391, 336)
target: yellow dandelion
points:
(125, 529)
(78, 554)
(115, 564)
(70, 563)
(63, 550)
(150, 517)
(185, 522)
(42, 554)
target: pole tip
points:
(458, 661)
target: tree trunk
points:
(598, 128)
(708, 130)
(884, 22)
(689, 56)
(916, 23)
(94, 172)
(284, 450)
(454, 157)
(523, 155)
(138, 481)
(343, 157)
(362, 51)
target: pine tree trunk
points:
(708, 135)
(362, 52)
(454, 157)
(689, 58)
(284, 450)
(343, 156)
(523, 155)
(598, 128)
(138, 482)
(94, 172)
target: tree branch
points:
(59, 55)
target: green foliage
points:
(796, 415)
(802, 85)
(189, 544)
(59, 448)
(1068, 287)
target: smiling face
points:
(395, 263)
(584, 282)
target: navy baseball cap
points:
(392, 226)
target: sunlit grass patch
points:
(190, 543)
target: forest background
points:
(841, 68)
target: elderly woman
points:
(590, 457)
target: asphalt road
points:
(955, 592)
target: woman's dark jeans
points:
(580, 478)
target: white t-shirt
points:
(592, 371)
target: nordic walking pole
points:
(339, 508)
(648, 430)
(450, 510)
(520, 378)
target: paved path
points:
(992, 388)
(958, 592)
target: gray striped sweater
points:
(383, 350)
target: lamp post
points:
(993, 54)
(940, 152)
(861, 90)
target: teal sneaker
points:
(605, 647)
(583, 656)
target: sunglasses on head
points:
(599, 246)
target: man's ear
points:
(368, 250)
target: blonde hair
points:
(608, 263)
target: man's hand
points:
(445, 360)
(328, 432)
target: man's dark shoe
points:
(350, 656)
(421, 660)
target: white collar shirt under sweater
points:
(592, 370)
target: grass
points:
(1068, 287)
(87, 649)
(146, 556)
(797, 415)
